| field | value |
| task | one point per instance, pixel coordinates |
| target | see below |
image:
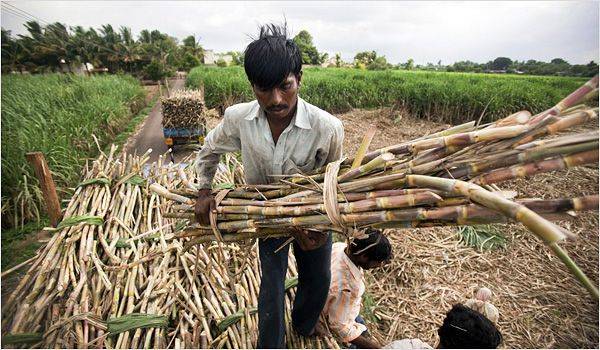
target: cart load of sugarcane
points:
(115, 275)
(184, 109)
(447, 178)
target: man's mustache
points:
(277, 108)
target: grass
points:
(57, 115)
(441, 96)
(17, 244)
(482, 237)
(368, 308)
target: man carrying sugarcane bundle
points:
(277, 134)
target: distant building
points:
(211, 58)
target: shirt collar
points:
(301, 119)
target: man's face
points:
(280, 101)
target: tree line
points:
(155, 55)
(558, 66)
(50, 48)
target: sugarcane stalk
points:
(530, 169)
(544, 229)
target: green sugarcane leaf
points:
(135, 180)
(21, 338)
(291, 282)
(232, 319)
(122, 243)
(482, 237)
(134, 321)
(96, 181)
(76, 220)
(180, 225)
(225, 186)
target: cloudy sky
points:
(425, 31)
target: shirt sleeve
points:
(224, 138)
(342, 318)
(336, 143)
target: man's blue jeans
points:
(314, 275)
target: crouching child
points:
(342, 308)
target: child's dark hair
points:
(375, 246)
(270, 58)
(465, 328)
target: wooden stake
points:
(47, 186)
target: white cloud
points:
(425, 31)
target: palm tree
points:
(111, 43)
(128, 47)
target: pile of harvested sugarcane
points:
(184, 109)
(447, 178)
(114, 275)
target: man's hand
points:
(309, 239)
(204, 205)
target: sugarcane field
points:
(300, 175)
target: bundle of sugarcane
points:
(114, 275)
(184, 109)
(446, 178)
(60, 298)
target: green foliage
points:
(380, 63)
(410, 64)
(221, 63)
(55, 46)
(57, 115)
(557, 66)
(482, 237)
(189, 61)
(190, 54)
(310, 55)
(338, 60)
(365, 58)
(237, 58)
(17, 243)
(368, 308)
(157, 71)
(501, 63)
(449, 97)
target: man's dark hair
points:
(465, 328)
(375, 246)
(270, 58)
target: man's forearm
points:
(206, 163)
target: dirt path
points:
(151, 135)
